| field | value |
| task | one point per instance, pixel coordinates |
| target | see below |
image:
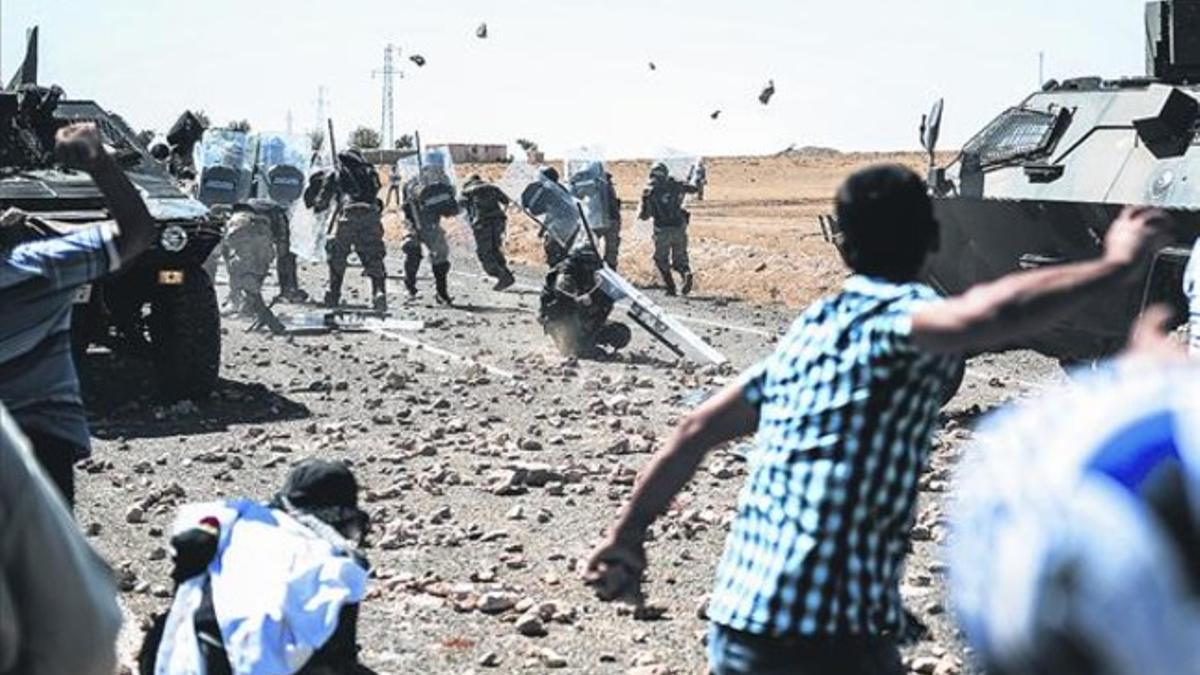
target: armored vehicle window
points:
(1016, 133)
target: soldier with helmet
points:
(662, 202)
(428, 197)
(549, 200)
(359, 227)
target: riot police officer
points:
(285, 261)
(662, 202)
(549, 200)
(574, 309)
(248, 250)
(428, 197)
(359, 227)
(484, 205)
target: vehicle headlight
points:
(174, 238)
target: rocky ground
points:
(489, 465)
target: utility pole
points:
(387, 110)
(1041, 69)
(289, 122)
(322, 105)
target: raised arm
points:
(615, 567)
(79, 147)
(1016, 306)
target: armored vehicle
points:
(1040, 184)
(162, 304)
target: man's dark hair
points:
(886, 219)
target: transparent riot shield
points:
(550, 204)
(681, 168)
(310, 220)
(224, 159)
(430, 184)
(283, 163)
(681, 165)
(589, 182)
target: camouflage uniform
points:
(285, 260)
(484, 204)
(662, 201)
(424, 209)
(248, 252)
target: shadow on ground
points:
(122, 403)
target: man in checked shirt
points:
(844, 409)
(38, 279)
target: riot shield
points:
(309, 224)
(588, 182)
(550, 204)
(283, 163)
(430, 183)
(224, 158)
(680, 165)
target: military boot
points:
(289, 284)
(686, 289)
(668, 280)
(505, 281)
(379, 294)
(440, 273)
(411, 265)
(333, 297)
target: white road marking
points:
(438, 351)
(683, 318)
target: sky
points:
(849, 75)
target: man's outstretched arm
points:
(79, 146)
(615, 567)
(1014, 307)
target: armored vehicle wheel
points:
(185, 333)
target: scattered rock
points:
(530, 624)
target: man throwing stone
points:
(844, 409)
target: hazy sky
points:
(854, 75)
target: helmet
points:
(160, 151)
(660, 170)
(1073, 524)
(550, 174)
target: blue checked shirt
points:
(847, 405)
(38, 280)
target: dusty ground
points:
(490, 464)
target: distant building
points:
(466, 153)
(386, 157)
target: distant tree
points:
(316, 139)
(405, 142)
(365, 138)
(239, 125)
(527, 145)
(203, 117)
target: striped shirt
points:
(38, 280)
(847, 405)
